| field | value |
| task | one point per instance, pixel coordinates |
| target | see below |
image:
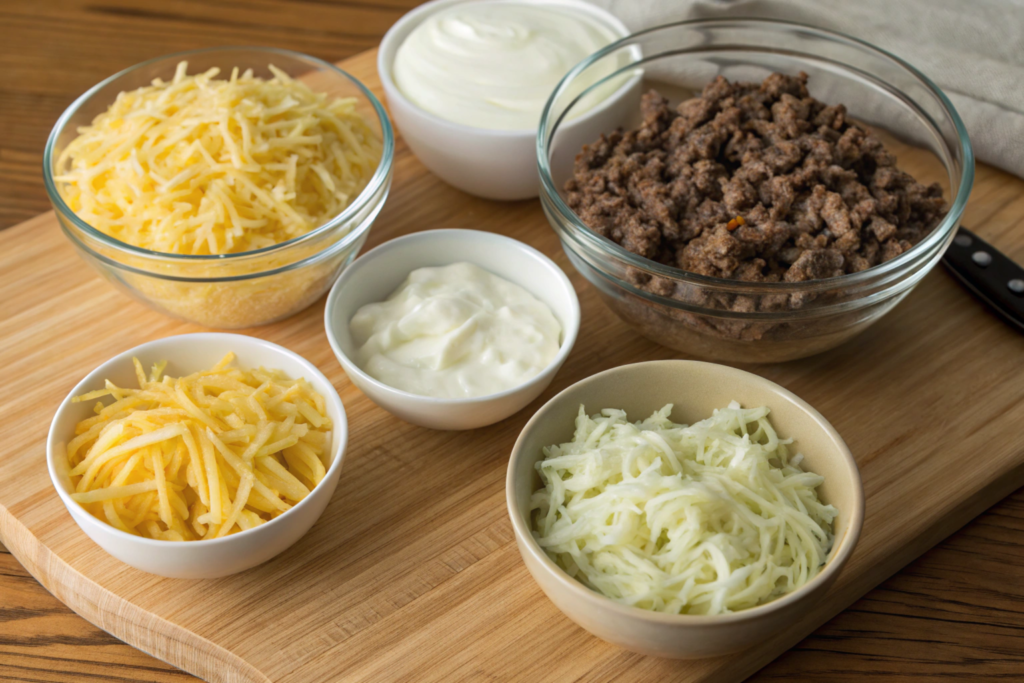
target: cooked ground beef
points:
(752, 182)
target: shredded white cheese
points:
(703, 519)
(201, 165)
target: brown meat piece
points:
(819, 195)
(816, 264)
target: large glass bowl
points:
(697, 314)
(231, 290)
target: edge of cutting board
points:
(119, 617)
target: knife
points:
(991, 275)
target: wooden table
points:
(957, 612)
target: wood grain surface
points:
(955, 613)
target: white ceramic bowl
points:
(495, 164)
(197, 559)
(695, 389)
(378, 273)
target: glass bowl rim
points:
(549, 194)
(379, 177)
(788, 315)
(313, 259)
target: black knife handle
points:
(991, 275)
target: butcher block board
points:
(412, 573)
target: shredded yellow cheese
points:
(201, 165)
(201, 456)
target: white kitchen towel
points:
(973, 50)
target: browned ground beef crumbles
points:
(752, 182)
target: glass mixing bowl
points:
(230, 290)
(699, 315)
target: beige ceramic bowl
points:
(695, 389)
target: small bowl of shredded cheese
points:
(200, 455)
(228, 187)
(683, 509)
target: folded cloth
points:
(973, 49)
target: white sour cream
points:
(455, 332)
(494, 64)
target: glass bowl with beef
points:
(771, 191)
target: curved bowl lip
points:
(339, 432)
(500, 242)
(783, 316)
(340, 246)
(379, 177)
(599, 601)
(948, 223)
(420, 13)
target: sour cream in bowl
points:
(452, 329)
(466, 82)
(456, 331)
(493, 64)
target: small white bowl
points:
(209, 559)
(495, 164)
(379, 272)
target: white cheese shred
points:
(710, 518)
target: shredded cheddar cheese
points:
(201, 456)
(201, 165)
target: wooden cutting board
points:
(412, 573)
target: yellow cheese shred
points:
(201, 165)
(201, 456)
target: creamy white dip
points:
(494, 64)
(456, 331)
